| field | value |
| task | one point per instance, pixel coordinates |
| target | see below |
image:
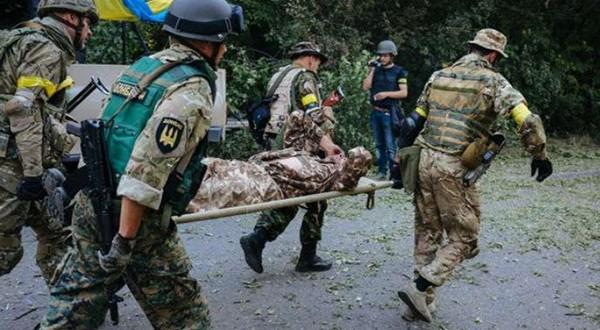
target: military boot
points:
(417, 302)
(309, 261)
(253, 244)
(409, 316)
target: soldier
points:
(33, 60)
(153, 168)
(297, 87)
(460, 103)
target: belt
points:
(380, 109)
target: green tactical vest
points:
(459, 109)
(125, 122)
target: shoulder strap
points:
(145, 81)
(278, 81)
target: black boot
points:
(309, 261)
(253, 244)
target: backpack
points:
(259, 112)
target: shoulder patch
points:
(168, 134)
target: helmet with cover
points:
(84, 7)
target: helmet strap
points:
(210, 59)
(78, 28)
(215, 53)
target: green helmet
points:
(387, 47)
(208, 20)
(307, 48)
(83, 7)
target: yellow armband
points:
(422, 112)
(310, 102)
(49, 87)
(520, 113)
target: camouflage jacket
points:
(189, 103)
(32, 91)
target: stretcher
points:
(365, 186)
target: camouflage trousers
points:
(444, 207)
(158, 275)
(275, 221)
(52, 242)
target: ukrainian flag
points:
(133, 10)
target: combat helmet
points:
(387, 47)
(208, 20)
(304, 48)
(84, 7)
(490, 39)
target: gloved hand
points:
(410, 127)
(543, 167)
(396, 176)
(117, 258)
(31, 188)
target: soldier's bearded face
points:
(86, 34)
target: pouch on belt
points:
(408, 161)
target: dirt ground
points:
(539, 267)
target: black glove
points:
(543, 167)
(396, 176)
(410, 127)
(31, 188)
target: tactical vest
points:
(460, 111)
(280, 109)
(126, 120)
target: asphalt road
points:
(526, 277)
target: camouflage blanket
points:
(274, 175)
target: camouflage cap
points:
(84, 7)
(305, 48)
(490, 39)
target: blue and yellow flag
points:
(133, 10)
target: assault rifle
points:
(101, 188)
(95, 83)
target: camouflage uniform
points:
(274, 175)
(462, 102)
(275, 221)
(159, 272)
(34, 71)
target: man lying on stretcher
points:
(286, 173)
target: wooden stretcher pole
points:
(365, 186)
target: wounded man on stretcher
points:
(274, 175)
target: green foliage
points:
(553, 49)
(109, 46)
(352, 115)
